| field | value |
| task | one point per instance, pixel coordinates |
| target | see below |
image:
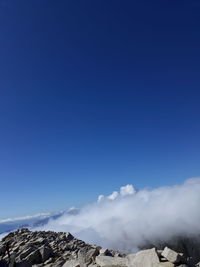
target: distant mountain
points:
(28, 221)
(37, 220)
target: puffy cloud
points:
(127, 190)
(124, 191)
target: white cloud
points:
(127, 190)
(124, 191)
(126, 219)
(113, 196)
(100, 198)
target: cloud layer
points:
(127, 218)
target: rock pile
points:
(24, 248)
(187, 244)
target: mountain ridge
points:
(25, 248)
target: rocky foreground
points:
(24, 248)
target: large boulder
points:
(144, 258)
(171, 255)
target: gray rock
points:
(86, 255)
(46, 253)
(144, 258)
(171, 255)
(107, 261)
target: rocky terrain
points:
(24, 248)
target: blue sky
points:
(95, 95)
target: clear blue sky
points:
(95, 95)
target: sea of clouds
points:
(128, 218)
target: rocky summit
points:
(24, 248)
